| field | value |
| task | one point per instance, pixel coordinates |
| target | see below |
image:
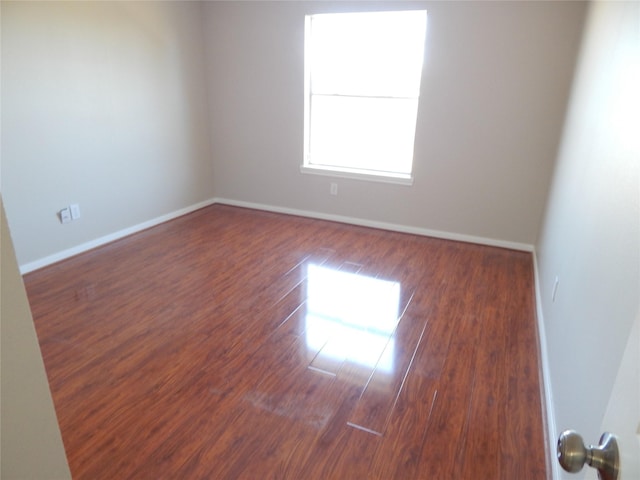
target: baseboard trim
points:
(381, 225)
(551, 432)
(70, 252)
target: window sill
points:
(398, 179)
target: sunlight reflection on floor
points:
(351, 316)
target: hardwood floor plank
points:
(399, 453)
(445, 432)
(383, 387)
(378, 400)
(520, 395)
(341, 451)
(232, 343)
(481, 456)
(480, 452)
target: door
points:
(623, 411)
(588, 254)
(622, 414)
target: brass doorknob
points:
(572, 454)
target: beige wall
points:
(494, 92)
(30, 442)
(128, 109)
(590, 238)
(102, 105)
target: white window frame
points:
(346, 172)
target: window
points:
(362, 84)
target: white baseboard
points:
(381, 225)
(70, 252)
(551, 433)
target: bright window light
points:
(362, 85)
(352, 317)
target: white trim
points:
(70, 252)
(525, 247)
(368, 175)
(551, 432)
(415, 21)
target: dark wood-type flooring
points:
(232, 343)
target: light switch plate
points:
(75, 211)
(65, 215)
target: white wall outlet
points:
(65, 215)
(75, 211)
(333, 189)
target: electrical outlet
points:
(65, 215)
(333, 189)
(75, 211)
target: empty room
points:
(320, 240)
